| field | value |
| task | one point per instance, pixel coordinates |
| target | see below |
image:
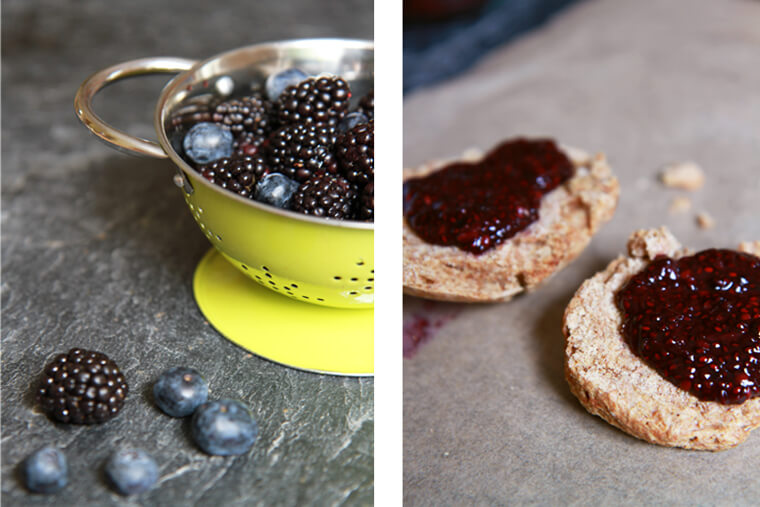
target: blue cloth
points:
(436, 51)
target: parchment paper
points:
(488, 417)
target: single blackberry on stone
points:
(314, 101)
(355, 151)
(82, 387)
(299, 151)
(367, 104)
(325, 195)
(236, 174)
(366, 211)
(246, 114)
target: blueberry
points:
(206, 142)
(46, 470)
(275, 189)
(351, 120)
(179, 391)
(131, 471)
(276, 83)
(224, 428)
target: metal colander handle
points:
(99, 80)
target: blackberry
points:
(325, 195)
(248, 144)
(355, 151)
(367, 104)
(185, 120)
(314, 101)
(82, 387)
(366, 211)
(246, 114)
(299, 151)
(236, 174)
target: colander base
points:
(300, 335)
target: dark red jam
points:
(696, 320)
(476, 206)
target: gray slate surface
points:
(98, 251)
(488, 416)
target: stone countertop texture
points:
(98, 251)
(488, 416)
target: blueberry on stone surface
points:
(224, 428)
(276, 83)
(46, 470)
(179, 391)
(351, 120)
(275, 189)
(131, 471)
(206, 142)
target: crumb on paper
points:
(752, 247)
(705, 220)
(680, 204)
(160, 315)
(684, 175)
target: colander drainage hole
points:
(267, 275)
(354, 279)
(336, 277)
(265, 268)
(294, 285)
(353, 293)
(370, 279)
(305, 297)
(360, 263)
(271, 282)
(258, 277)
(368, 287)
(244, 267)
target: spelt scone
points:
(568, 217)
(612, 382)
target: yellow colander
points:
(307, 259)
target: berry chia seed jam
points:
(696, 320)
(476, 206)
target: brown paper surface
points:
(488, 417)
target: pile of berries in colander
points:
(295, 145)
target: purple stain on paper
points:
(421, 324)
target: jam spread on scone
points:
(477, 206)
(696, 320)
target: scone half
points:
(612, 382)
(568, 217)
